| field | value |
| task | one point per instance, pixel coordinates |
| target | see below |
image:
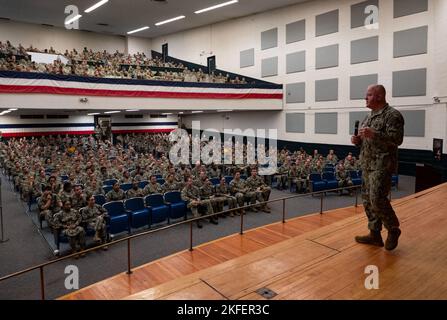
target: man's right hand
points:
(356, 140)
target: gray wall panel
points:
(326, 23)
(359, 85)
(296, 31)
(269, 39)
(269, 67)
(356, 116)
(410, 42)
(326, 57)
(410, 83)
(407, 7)
(296, 92)
(365, 50)
(358, 15)
(296, 62)
(414, 123)
(247, 58)
(326, 123)
(326, 90)
(296, 122)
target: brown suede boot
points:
(391, 241)
(373, 238)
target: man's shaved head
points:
(376, 96)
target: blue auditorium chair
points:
(316, 182)
(158, 176)
(64, 178)
(118, 217)
(160, 211)
(139, 214)
(106, 189)
(109, 182)
(228, 179)
(356, 180)
(143, 183)
(100, 199)
(329, 169)
(243, 176)
(161, 181)
(331, 181)
(177, 206)
(215, 181)
(126, 186)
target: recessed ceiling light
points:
(13, 109)
(167, 113)
(224, 110)
(138, 30)
(181, 112)
(196, 111)
(77, 17)
(96, 5)
(93, 114)
(132, 110)
(170, 20)
(110, 112)
(217, 6)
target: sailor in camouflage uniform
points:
(69, 221)
(343, 178)
(207, 193)
(170, 184)
(257, 186)
(94, 216)
(78, 200)
(223, 194)
(116, 193)
(49, 204)
(135, 191)
(152, 187)
(239, 190)
(379, 137)
(191, 194)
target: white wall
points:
(138, 45)
(227, 39)
(60, 39)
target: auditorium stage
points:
(311, 257)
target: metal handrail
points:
(190, 221)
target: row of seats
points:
(140, 212)
(328, 181)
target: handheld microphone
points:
(356, 128)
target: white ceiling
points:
(122, 16)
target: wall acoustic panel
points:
(359, 85)
(269, 39)
(358, 15)
(296, 31)
(247, 58)
(356, 116)
(296, 62)
(326, 123)
(365, 50)
(410, 83)
(410, 42)
(414, 123)
(326, 57)
(326, 23)
(296, 92)
(326, 90)
(407, 7)
(269, 67)
(295, 122)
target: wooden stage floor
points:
(311, 257)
